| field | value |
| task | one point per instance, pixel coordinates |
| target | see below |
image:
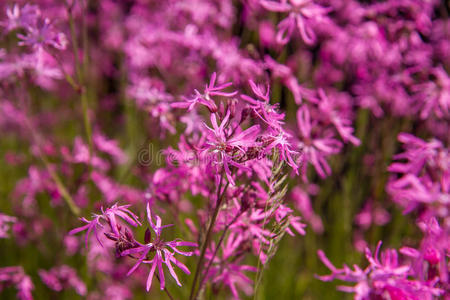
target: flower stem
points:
(81, 71)
(53, 174)
(165, 289)
(194, 290)
(222, 237)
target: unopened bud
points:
(148, 236)
(110, 236)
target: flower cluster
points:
(126, 245)
(382, 279)
(424, 177)
(239, 122)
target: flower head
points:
(163, 253)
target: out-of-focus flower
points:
(43, 34)
(301, 14)
(382, 278)
(315, 149)
(25, 17)
(302, 202)
(205, 98)
(424, 176)
(430, 260)
(5, 223)
(63, 277)
(15, 276)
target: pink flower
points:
(15, 276)
(261, 106)
(301, 13)
(110, 147)
(228, 269)
(43, 34)
(302, 202)
(63, 277)
(164, 253)
(108, 215)
(429, 261)
(205, 98)
(381, 277)
(315, 150)
(227, 149)
(24, 17)
(336, 115)
(5, 223)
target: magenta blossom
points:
(205, 98)
(228, 149)
(43, 34)
(18, 17)
(5, 223)
(63, 277)
(301, 14)
(163, 253)
(382, 278)
(228, 270)
(15, 276)
(108, 215)
(315, 149)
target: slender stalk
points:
(222, 237)
(208, 237)
(61, 188)
(166, 290)
(259, 267)
(85, 39)
(81, 71)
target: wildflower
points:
(15, 276)
(249, 226)
(435, 95)
(302, 201)
(63, 277)
(205, 98)
(281, 143)
(385, 277)
(423, 176)
(5, 222)
(110, 147)
(228, 270)
(43, 34)
(232, 275)
(429, 261)
(372, 215)
(314, 149)
(24, 17)
(227, 148)
(301, 13)
(108, 215)
(268, 113)
(162, 253)
(337, 117)
(283, 212)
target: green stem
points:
(81, 72)
(165, 289)
(222, 237)
(61, 188)
(275, 171)
(220, 196)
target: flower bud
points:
(148, 236)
